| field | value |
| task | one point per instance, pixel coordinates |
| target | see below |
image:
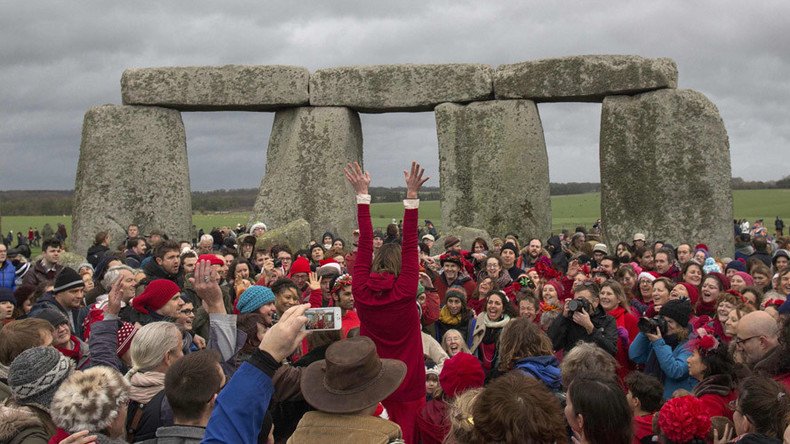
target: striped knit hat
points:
(66, 280)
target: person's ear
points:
(579, 426)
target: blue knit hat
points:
(254, 298)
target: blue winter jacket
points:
(543, 368)
(242, 404)
(672, 362)
(7, 275)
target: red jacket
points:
(387, 305)
(628, 321)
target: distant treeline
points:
(59, 202)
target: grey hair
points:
(151, 344)
(206, 237)
(113, 274)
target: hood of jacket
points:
(155, 271)
(545, 368)
(382, 282)
(15, 419)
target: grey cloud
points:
(60, 58)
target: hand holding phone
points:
(322, 319)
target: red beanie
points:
(557, 286)
(212, 259)
(300, 265)
(693, 292)
(460, 373)
(156, 294)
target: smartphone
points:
(322, 319)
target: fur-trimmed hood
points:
(15, 419)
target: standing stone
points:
(493, 167)
(308, 149)
(587, 78)
(217, 88)
(389, 88)
(665, 170)
(132, 169)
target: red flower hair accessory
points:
(737, 294)
(683, 419)
(773, 303)
(546, 270)
(704, 344)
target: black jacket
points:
(95, 253)
(565, 333)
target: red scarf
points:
(73, 353)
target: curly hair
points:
(521, 338)
(518, 409)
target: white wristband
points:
(363, 199)
(411, 204)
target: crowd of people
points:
(507, 340)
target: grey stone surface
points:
(295, 234)
(132, 169)
(308, 149)
(387, 88)
(216, 88)
(587, 78)
(466, 234)
(665, 170)
(493, 167)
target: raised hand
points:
(358, 179)
(314, 281)
(414, 180)
(283, 338)
(114, 298)
(205, 282)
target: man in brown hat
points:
(345, 389)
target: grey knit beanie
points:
(36, 374)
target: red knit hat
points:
(693, 292)
(212, 259)
(557, 286)
(156, 294)
(300, 265)
(125, 335)
(460, 373)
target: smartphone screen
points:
(323, 319)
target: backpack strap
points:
(136, 414)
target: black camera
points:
(578, 305)
(278, 263)
(650, 325)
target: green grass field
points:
(567, 212)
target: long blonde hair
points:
(151, 344)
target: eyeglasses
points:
(739, 341)
(187, 311)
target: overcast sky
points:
(57, 59)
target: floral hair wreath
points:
(704, 344)
(546, 270)
(343, 280)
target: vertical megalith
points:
(493, 167)
(665, 170)
(308, 149)
(132, 169)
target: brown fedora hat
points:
(351, 378)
